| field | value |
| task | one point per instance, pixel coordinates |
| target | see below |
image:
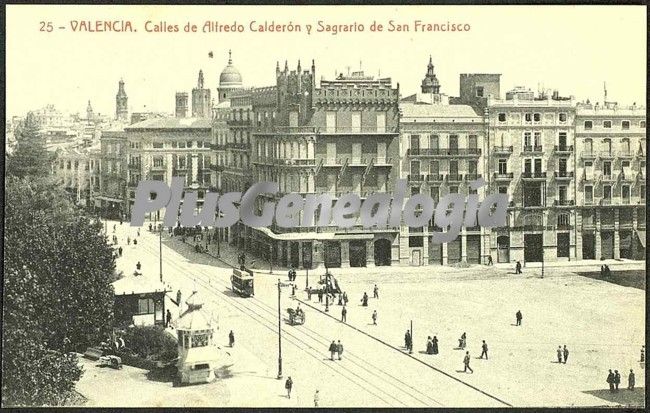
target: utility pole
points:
(279, 335)
(160, 250)
(411, 347)
(271, 259)
(327, 295)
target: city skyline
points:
(152, 77)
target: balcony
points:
(626, 201)
(608, 178)
(538, 175)
(444, 152)
(435, 178)
(473, 177)
(357, 162)
(563, 149)
(626, 177)
(217, 168)
(357, 130)
(503, 177)
(272, 130)
(216, 146)
(241, 146)
(627, 154)
(454, 177)
(606, 201)
(588, 155)
(563, 175)
(535, 148)
(415, 178)
(502, 150)
(563, 202)
(383, 161)
(607, 155)
(160, 167)
(135, 166)
(563, 227)
(311, 162)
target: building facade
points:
(113, 176)
(611, 181)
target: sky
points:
(573, 49)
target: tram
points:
(242, 282)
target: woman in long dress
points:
(429, 345)
(434, 345)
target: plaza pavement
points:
(601, 324)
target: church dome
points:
(230, 76)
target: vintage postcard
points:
(325, 206)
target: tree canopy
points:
(30, 158)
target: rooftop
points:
(443, 112)
(141, 284)
(171, 123)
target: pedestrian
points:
(340, 299)
(288, 385)
(565, 353)
(345, 298)
(462, 342)
(309, 293)
(344, 313)
(333, 350)
(602, 271)
(138, 266)
(429, 345)
(559, 354)
(290, 274)
(316, 398)
(617, 379)
(169, 318)
(128, 240)
(138, 232)
(178, 298)
(484, 348)
(610, 380)
(320, 296)
(375, 292)
(518, 268)
(293, 289)
(374, 317)
(135, 242)
(630, 380)
(119, 250)
(231, 339)
(150, 228)
(642, 354)
(466, 363)
(121, 221)
(407, 340)
(364, 300)
(489, 260)
(339, 349)
(518, 316)
(434, 345)
(114, 226)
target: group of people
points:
(292, 274)
(336, 347)
(605, 271)
(288, 385)
(614, 379)
(432, 345)
(562, 354)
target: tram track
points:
(268, 317)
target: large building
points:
(113, 167)
(611, 181)
(77, 169)
(441, 152)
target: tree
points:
(30, 158)
(57, 290)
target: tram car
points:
(242, 282)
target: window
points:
(503, 189)
(70, 165)
(607, 192)
(625, 124)
(158, 161)
(174, 144)
(562, 117)
(415, 190)
(145, 306)
(199, 144)
(537, 117)
(642, 124)
(503, 166)
(293, 119)
(381, 122)
(356, 121)
(76, 165)
(538, 139)
(589, 124)
(479, 91)
(563, 220)
(189, 144)
(607, 168)
(157, 145)
(607, 124)
(625, 192)
(434, 168)
(434, 142)
(330, 121)
(181, 144)
(502, 117)
(528, 117)
(416, 241)
(527, 140)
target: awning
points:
(346, 237)
(296, 236)
(641, 235)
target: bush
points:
(151, 343)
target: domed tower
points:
(121, 103)
(229, 80)
(430, 82)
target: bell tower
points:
(121, 103)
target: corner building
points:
(337, 138)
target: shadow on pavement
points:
(623, 397)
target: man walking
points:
(309, 293)
(169, 318)
(466, 363)
(333, 349)
(288, 385)
(316, 398)
(565, 353)
(518, 268)
(484, 350)
(610, 380)
(231, 341)
(344, 313)
(374, 317)
(617, 379)
(407, 340)
(559, 354)
(119, 251)
(339, 349)
(630, 381)
(518, 316)
(490, 260)
(375, 292)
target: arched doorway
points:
(358, 254)
(382, 252)
(503, 248)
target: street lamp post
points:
(279, 335)
(218, 242)
(327, 295)
(271, 258)
(160, 250)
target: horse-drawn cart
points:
(296, 317)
